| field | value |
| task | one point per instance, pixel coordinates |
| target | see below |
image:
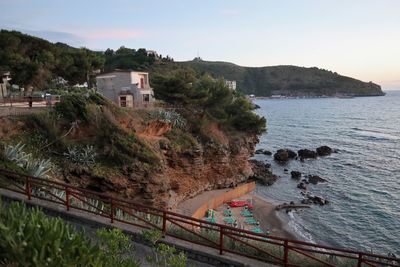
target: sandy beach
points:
(264, 211)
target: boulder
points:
(291, 154)
(281, 155)
(302, 186)
(324, 151)
(307, 154)
(263, 151)
(315, 179)
(295, 174)
(262, 172)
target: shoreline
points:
(264, 211)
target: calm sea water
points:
(364, 178)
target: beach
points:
(264, 211)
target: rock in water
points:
(295, 174)
(291, 153)
(302, 186)
(307, 154)
(264, 152)
(324, 151)
(315, 179)
(281, 155)
(262, 172)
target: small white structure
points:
(4, 82)
(126, 88)
(231, 84)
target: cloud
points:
(56, 36)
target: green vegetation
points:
(164, 255)
(37, 62)
(204, 99)
(29, 238)
(286, 80)
(127, 58)
(32, 166)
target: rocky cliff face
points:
(180, 175)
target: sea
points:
(363, 177)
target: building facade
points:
(231, 84)
(126, 88)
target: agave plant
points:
(85, 155)
(169, 116)
(16, 154)
(38, 168)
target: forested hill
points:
(39, 64)
(286, 80)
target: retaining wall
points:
(219, 200)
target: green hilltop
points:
(286, 80)
(38, 63)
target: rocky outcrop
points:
(315, 179)
(263, 152)
(262, 172)
(283, 155)
(295, 174)
(307, 154)
(324, 151)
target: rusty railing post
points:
(360, 260)
(28, 188)
(221, 240)
(285, 253)
(67, 197)
(112, 210)
(164, 223)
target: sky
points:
(357, 38)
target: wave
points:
(298, 228)
(374, 134)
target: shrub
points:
(72, 108)
(117, 245)
(33, 167)
(169, 116)
(204, 97)
(29, 238)
(81, 155)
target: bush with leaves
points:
(30, 238)
(118, 246)
(164, 255)
(204, 98)
(81, 155)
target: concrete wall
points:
(111, 84)
(228, 196)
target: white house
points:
(4, 81)
(231, 84)
(127, 88)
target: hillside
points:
(286, 80)
(38, 63)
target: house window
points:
(146, 97)
(122, 101)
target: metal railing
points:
(222, 238)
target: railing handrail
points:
(170, 215)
